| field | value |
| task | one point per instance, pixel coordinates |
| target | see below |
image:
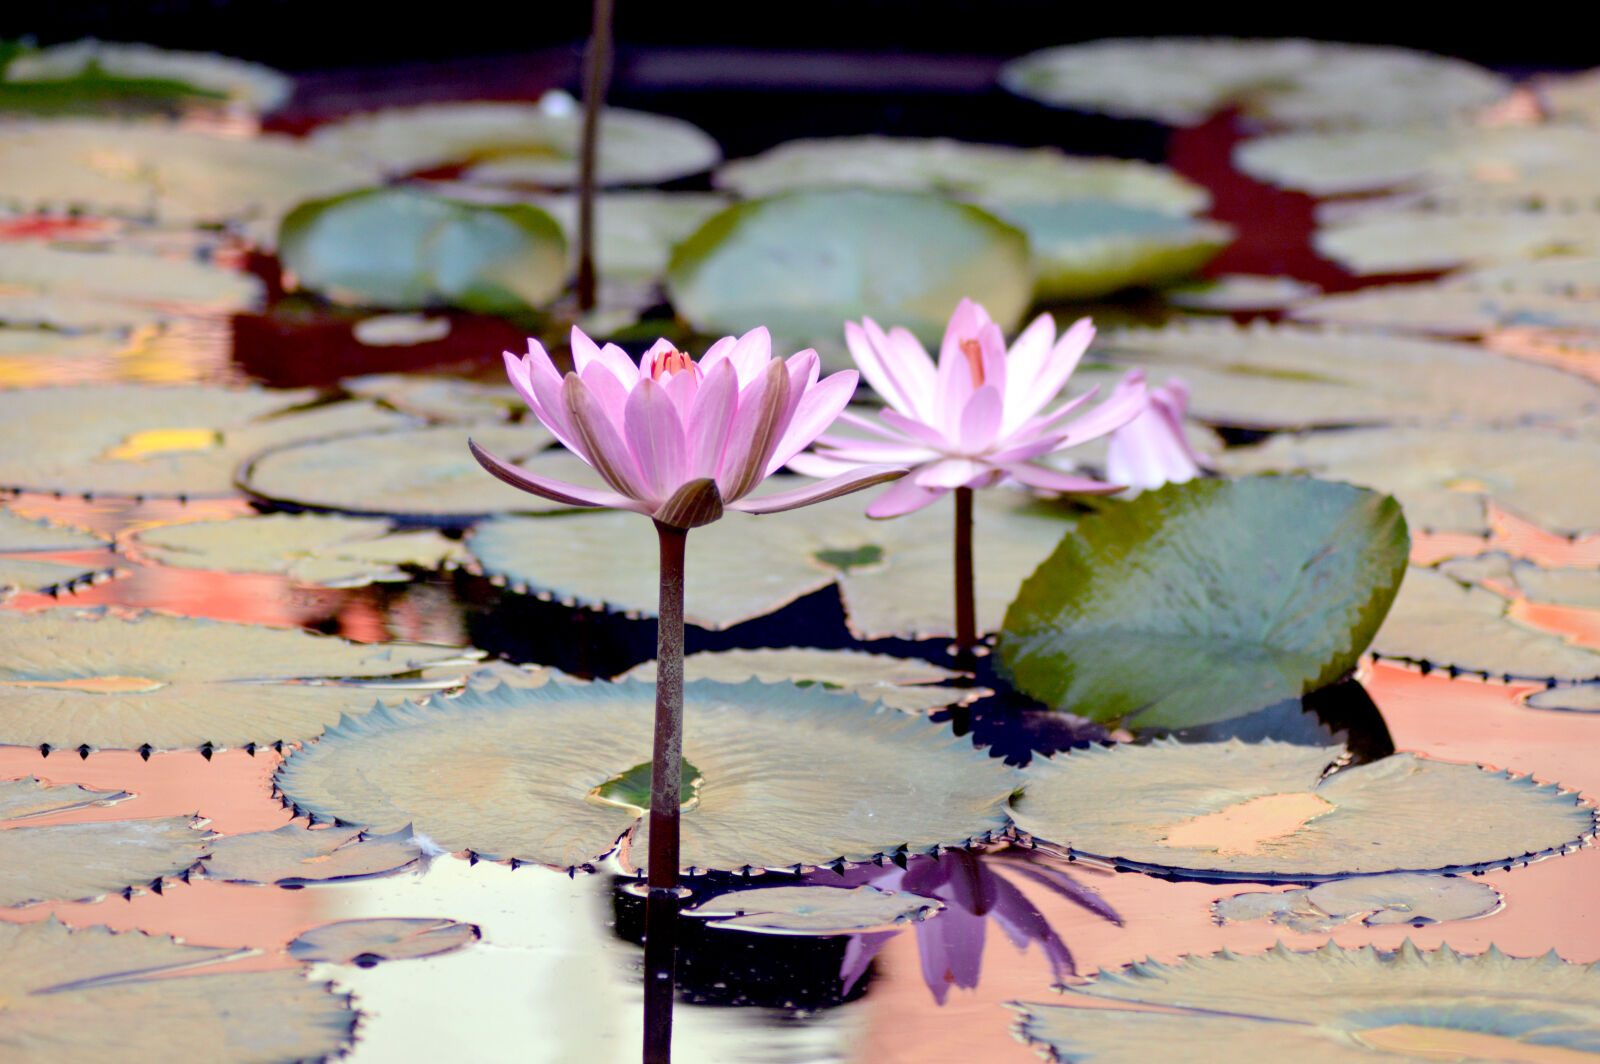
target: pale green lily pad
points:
(104, 288)
(894, 576)
(1083, 249)
(1265, 811)
(1565, 586)
(988, 174)
(75, 862)
(251, 85)
(19, 534)
(1446, 625)
(324, 549)
(25, 574)
(172, 441)
(1578, 698)
(520, 143)
(400, 330)
(292, 856)
(1240, 292)
(790, 776)
(1422, 241)
(1182, 81)
(1265, 376)
(815, 910)
(803, 263)
(170, 175)
(1449, 309)
(1443, 476)
(400, 248)
(895, 682)
(28, 309)
(417, 473)
(1330, 1006)
(635, 231)
(1401, 898)
(1206, 601)
(366, 942)
(438, 398)
(75, 679)
(1365, 160)
(96, 994)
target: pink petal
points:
(867, 346)
(868, 425)
(821, 491)
(802, 369)
(955, 385)
(992, 356)
(905, 358)
(1023, 452)
(1126, 403)
(1045, 422)
(980, 421)
(754, 433)
(655, 436)
(1025, 359)
(614, 358)
(1038, 476)
(750, 355)
(917, 430)
(610, 393)
(602, 444)
(949, 473)
(851, 449)
(811, 464)
(710, 418)
(818, 408)
(682, 386)
(903, 498)
(1053, 374)
(548, 488)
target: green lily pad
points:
(416, 473)
(400, 330)
(96, 994)
(1565, 586)
(181, 441)
(815, 910)
(25, 574)
(988, 174)
(1572, 698)
(635, 231)
(75, 862)
(438, 398)
(396, 247)
(1449, 473)
(1449, 309)
(1266, 811)
(1330, 1006)
(323, 549)
(1208, 600)
(895, 682)
(1240, 292)
(1422, 241)
(1265, 376)
(1401, 898)
(366, 942)
(74, 679)
(92, 72)
(790, 775)
(1443, 624)
(107, 288)
(905, 588)
(806, 262)
(1182, 81)
(19, 534)
(292, 856)
(520, 143)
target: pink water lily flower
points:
(976, 417)
(1151, 450)
(677, 440)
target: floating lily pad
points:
(789, 775)
(1376, 900)
(1566, 586)
(1184, 80)
(1240, 811)
(73, 679)
(1267, 376)
(815, 910)
(418, 473)
(1417, 242)
(328, 550)
(366, 942)
(806, 262)
(76, 288)
(400, 330)
(171, 175)
(1330, 1006)
(989, 174)
(1572, 95)
(1446, 625)
(520, 143)
(1208, 600)
(1083, 249)
(1240, 292)
(397, 247)
(871, 677)
(292, 856)
(438, 398)
(1449, 309)
(894, 575)
(1578, 698)
(106, 70)
(1447, 474)
(1365, 160)
(96, 994)
(181, 441)
(19, 534)
(23, 574)
(75, 862)
(635, 232)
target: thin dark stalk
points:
(597, 59)
(966, 606)
(666, 781)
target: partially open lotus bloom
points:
(976, 417)
(1151, 450)
(679, 440)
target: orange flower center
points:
(669, 362)
(974, 352)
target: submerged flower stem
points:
(966, 607)
(661, 910)
(596, 77)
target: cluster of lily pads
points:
(1189, 605)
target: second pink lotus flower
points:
(976, 417)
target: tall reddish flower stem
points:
(666, 781)
(966, 605)
(596, 78)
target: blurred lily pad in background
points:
(92, 74)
